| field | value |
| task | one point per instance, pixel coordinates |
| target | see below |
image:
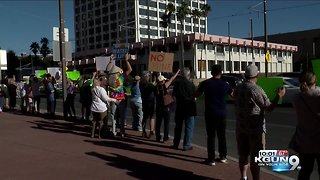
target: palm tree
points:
(34, 47)
(205, 9)
(166, 19)
(182, 12)
(44, 50)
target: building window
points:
(226, 48)
(188, 20)
(250, 50)
(235, 49)
(98, 12)
(143, 21)
(202, 30)
(106, 37)
(279, 53)
(202, 22)
(243, 50)
(210, 46)
(256, 50)
(221, 63)
(172, 33)
(188, 28)
(194, 4)
(153, 4)
(210, 64)
(98, 29)
(98, 21)
(200, 45)
(273, 52)
(105, 19)
(220, 48)
(143, 31)
(83, 8)
(195, 29)
(228, 66)
(243, 66)
(143, 12)
(153, 13)
(201, 65)
(153, 23)
(153, 32)
(98, 38)
(236, 65)
(97, 3)
(143, 2)
(162, 6)
(258, 65)
(106, 28)
(91, 31)
(105, 10)
(91, 40)
(163, 33)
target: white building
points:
(204, 50)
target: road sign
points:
(268, 56)
(119, 50)
(55, 34)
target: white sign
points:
(56, 51)
(102, 62)
(56, 34)
(3, 59)
(55, 72)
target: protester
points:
(116, 77)
(100, 99)
(12, 90)
(148, 99)
(184, 91)
(85, 99)
(306, 140)
(251, 102)
(35, 85)
(162, 110)
(215, 91)
(29, 96)
(3, 96)
(70, 99)
(136, 105)
(50, 97)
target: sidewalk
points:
(37, 148)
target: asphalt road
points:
(280, 127)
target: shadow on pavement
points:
(146, 170)
(129, 144)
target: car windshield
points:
(293, 81)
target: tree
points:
(34, 47)
(205, 9)
(13, 63)
(166, 17)
(182, 12)
(44, 50)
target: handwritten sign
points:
(160, 62)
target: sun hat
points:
(161, 78)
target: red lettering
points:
(158, 58)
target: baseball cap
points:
(251, 71)
(145, 73)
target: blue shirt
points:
(135, 93)
(215, 91)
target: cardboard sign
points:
(270, 86)
(316, 69)
(160, 62)
(102, 62)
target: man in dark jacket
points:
(184, 91)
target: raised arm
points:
(167, 84)
(129, 68)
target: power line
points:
(270, 10)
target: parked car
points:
(233, 81)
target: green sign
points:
(316, 69)
(40, 73)
(73, 75)
(270, 85)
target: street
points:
(280, 127)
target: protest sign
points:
(316, 69)
(102, 62)
(270, 85)
(160, 62)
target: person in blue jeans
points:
(136, 105)
(184, 91)
(215, 90)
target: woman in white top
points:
(100, 99)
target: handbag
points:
(168, 99)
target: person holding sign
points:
(251, 102)
(306, 140)
(162, 109)
(116, 77)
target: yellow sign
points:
(160, 62)
(268, 56)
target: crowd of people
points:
(106, 96)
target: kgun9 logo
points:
(279, 160)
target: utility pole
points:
(230, 65)
(149, 40)
(265, 37)
(62, 56)
(251, 33)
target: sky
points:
(27, 21)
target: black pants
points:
(162, 113)
(216, 124)
(148, 111)
(70, 104)
(307, 163)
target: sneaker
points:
(209, 163)
(223, 160)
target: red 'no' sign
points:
(157, 57)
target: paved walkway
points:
(38, 148)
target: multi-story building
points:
(97, 22)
